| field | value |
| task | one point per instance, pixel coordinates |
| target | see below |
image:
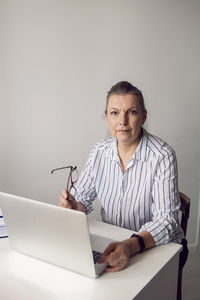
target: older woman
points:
(134, 175)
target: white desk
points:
(151, 275)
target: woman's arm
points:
(117, 254)
(166, 201)
(84, 193)
(161, 229)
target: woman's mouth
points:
(124, 131)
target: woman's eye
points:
(133, 112)
(113, 113)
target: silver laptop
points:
(53, 234)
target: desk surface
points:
(23, 277)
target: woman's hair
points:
(124, 88)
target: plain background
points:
(59, 58)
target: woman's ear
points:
(106, 114)
(144, 117)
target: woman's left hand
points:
(117, 256)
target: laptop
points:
(57, 235)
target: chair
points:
(185, 211)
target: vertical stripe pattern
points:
(144, 197)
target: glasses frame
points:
(70, 181)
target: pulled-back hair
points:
(124, 88)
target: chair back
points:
(185, 209)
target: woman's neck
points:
(126, 152)
(128, 147)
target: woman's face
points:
(125, 118)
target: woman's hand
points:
(68, 201)
(117, 256)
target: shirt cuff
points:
(86, 202)
(158, 232)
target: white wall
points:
(58, 60)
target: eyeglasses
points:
(72, 178)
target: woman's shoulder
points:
(159, 146)
(101, 149)
(104, 144)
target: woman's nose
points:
(123, 120)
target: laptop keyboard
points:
(96, 256)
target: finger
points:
(112, 258)
(113, 269)
(68, 204)
(62, 199)
(65, 194)
(117, 265)
(68, 196)
(111, 247)
(103, 259)
(117, 259)
(105, 256)
(64, 203)
(109, 252)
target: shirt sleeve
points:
(166, 201)
(84, 191)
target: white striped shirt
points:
(144, 197)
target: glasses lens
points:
(74, 175)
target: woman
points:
(134, 175)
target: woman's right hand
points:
(68, 201)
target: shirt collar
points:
(140, 153)
(111, 151)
